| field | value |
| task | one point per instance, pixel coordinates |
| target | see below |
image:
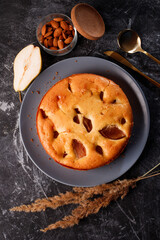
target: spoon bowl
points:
(130, 42)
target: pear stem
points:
(20, 96)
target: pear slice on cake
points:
(27, 65)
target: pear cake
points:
(84, 121)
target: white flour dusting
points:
(6, 107)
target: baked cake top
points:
(84, 121)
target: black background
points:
(138, 215)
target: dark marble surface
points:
(138, 215)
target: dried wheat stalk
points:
(85, 198)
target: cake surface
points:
(84, 121)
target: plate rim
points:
(115, 65)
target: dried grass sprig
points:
(85, 198)
(51, 202)
(79, 195)
(88, 207)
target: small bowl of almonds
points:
(56, 34)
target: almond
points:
(53, 48)
(64, 25)
(68, 40)
(41, 39)
(73, 32)
(57, 32)
(49, 29)
(46, 43)
(70, 27)
(48, 34)
(68, 32)
(43, 30)
(67, 22)
(49, 37)
(48, 24)
(54, 24)
(61, 37)
(55, 42)
(64, 35)
(58, 19)
(50, 42)
(60, 44)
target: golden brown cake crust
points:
(84, 121)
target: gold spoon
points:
(129, 41)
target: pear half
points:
(27, 65)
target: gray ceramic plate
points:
(61, 70)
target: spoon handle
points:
(122, 60)
(149, 55)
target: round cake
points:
(84, 121)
